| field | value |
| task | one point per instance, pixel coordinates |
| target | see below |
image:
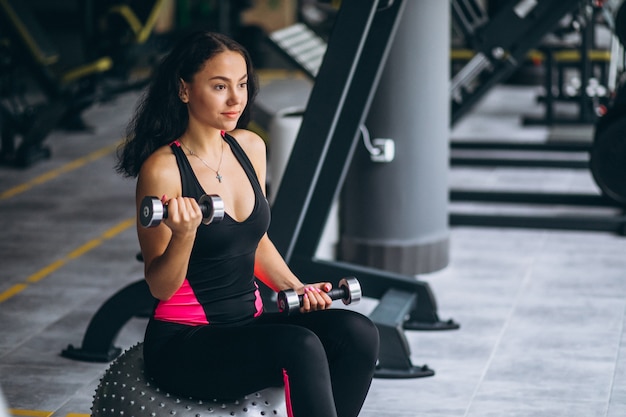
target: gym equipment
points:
(620, 24)
(125, 390)
(608, 161)
(152, 211)
(134, 300)
(588, 89)
(66, 92)
(602, 156)
(501, 44)
(571, 154)
(125, 30)
(301, 46)
(339, 101)
(349, 291)
(607, 156)
(468, 16)
(596, 157)
(581, 222)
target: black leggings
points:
(328, 357)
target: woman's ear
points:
(182, 91)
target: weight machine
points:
(115, 39)
(338, 104)
(502, 43)
(66, 92)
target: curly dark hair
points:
(160, 116)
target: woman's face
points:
(218, 93)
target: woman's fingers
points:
(306, 303)
(192, 210)
(183, 212)
(315, 298)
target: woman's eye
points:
(220, 87)
(243, 85)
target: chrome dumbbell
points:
(152, 211)
(348, 291)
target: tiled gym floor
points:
(541, 311)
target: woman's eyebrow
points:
(225, 78)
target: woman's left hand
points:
(314, 297)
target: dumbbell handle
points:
(349, 291)
(153, 211)
(204, 208)
(334, 294)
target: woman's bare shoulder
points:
(251, 142)
(160, 166)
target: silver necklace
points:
(217, 171)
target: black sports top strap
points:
(190, 185)
(244, 161)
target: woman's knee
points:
(362, 333)
(303, 342)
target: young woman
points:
(208, 336)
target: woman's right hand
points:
(183, 215)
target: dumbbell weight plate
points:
(214, 205)
(151, 211)
(353, 289)
(288, 301)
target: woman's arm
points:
(166, 248)
(270, 267)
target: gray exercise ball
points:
(124, 390)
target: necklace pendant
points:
(219, 177)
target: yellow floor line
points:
(50, 175)
(30, 413)
(44, 272)
(17, 288)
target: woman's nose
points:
(236, 96)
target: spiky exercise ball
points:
(125, 391)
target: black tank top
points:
(220, 287)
